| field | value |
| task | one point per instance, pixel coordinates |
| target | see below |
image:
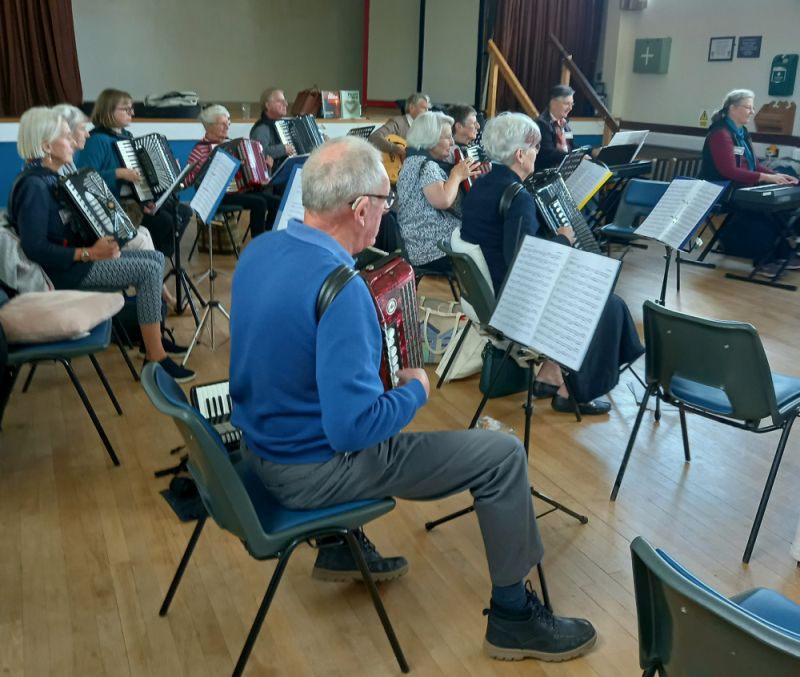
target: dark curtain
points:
(38, 56)
(522, 32)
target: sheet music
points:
(630, 138)
(680, 211)
(586, 180)
(553, 299)
(214, 185)
(292, 201)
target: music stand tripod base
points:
(211, 305)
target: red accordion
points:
(475, 153)
(394, 292)
(253, 172)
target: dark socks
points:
(510, 597)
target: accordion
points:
(98, 212)
(213, 401)
(558, 208)
(475, 153)
(253, 172)
(393, 288)
(302, 132)
(151, 156)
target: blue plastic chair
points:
(719, 370)
(687, 628)
(637, 201)
(237, 501)
(19, 355)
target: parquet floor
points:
(88, 550)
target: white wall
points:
(225, 50)
(693, 83)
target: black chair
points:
(718, 370)
(237, 501)
(687, 628)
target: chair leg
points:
(684, 433)
(230, 237)
(773, 473)
(28, 380)
(104, 381)
(543, 586)
(176, 579)
(631, 441)
(355, 549)
(118, 339)
(7, 382)
(453, 289)
(453, 355)
(261, 614)
(89, 410)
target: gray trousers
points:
(425, 467)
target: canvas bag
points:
(469, 359)
(439, 321)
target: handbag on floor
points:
(513, 378)
(439, 322)
(469, 359)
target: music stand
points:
(205, 203)
(182, 280)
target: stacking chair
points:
(718, 370)
(637, 201)
(19, 355)
(237, 501)
(687, 628)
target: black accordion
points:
(98, 214)
(558, 208)
(301, 131)
(151, 156)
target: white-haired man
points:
(319, 428)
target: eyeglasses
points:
(126, 109)
(748, 108)
(389, 199)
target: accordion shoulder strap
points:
(511, 191)
(333, 284)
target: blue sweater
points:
(101, 155)
(303, 391)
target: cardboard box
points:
(776, 117)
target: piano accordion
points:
(475, 153)
(213, 401)
(253, 173)
(151, 156)
(558, 209)
(392, 284)
(301, 131)
(98, 214)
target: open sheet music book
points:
(680, 212)
(221, 170)
(553, 298)
(291, 206)
(586, 180)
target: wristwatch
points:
(84, 255)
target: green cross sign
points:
(651, 55)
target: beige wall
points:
(694, 84)
(393, 47)
(224, 50)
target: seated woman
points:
(35, 207)
(217, 121)
(728, 155)
(512, 140)
(428, 198)
(76, 120)
(113, 112)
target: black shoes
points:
(536, 632)
(170, 347)
(336, 563)
(180, 373)
(593, 408)
(543, 390)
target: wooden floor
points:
(88, 549)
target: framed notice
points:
(749, 47)
(721, 49)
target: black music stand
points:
(182, 280)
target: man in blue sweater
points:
(319, 428)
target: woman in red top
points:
(728, 155)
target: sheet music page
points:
(531, 281)
(702, 200)
(574, 307)
(292, 201)
(586, 180)
(214, 185)
(630, 138)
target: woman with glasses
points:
(728, 155)
(216, 121)
(112, 113)
(497, 217)
(429, 208)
